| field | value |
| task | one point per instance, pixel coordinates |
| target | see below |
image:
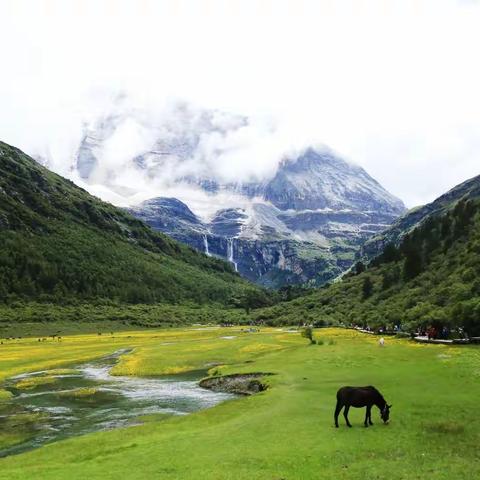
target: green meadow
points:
(285, 432)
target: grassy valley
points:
(284, 432)
(205, 272)
(71, 264)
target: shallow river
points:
(87, 398)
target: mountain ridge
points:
(469, 189)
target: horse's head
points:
(385, 413)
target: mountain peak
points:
(321, 179)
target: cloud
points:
(137, 150)
(392, 85)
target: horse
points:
(359, 397)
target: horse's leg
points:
(338, 409)
(370, 416)
(368, 412)
(345, 414)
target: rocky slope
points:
(305, 225)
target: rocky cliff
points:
(305, 225)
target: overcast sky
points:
(391, 85)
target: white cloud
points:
(393, 85)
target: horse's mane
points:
(379, 395)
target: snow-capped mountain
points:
(322, 180)
(304, 225)
(301, 222)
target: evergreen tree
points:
(387, 280)
(390, 253)
(359, 268)
(254, 299)
(412, 265)
(367, 288)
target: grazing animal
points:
(359, 397)
(381, 342)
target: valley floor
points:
(285, 432)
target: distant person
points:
(445, 332)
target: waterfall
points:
(230, 253)
(205, 244)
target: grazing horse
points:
(361, 397)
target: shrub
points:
(307, 332)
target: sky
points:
(391, 85)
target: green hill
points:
(59, 244)
(431, 278)
(468, 190)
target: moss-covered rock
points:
(239, 383)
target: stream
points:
(86, 398)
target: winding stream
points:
(87, 398)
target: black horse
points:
(361, 397)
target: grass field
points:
(285, 432)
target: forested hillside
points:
(431, 278)
(60, 244)
(468, 190)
